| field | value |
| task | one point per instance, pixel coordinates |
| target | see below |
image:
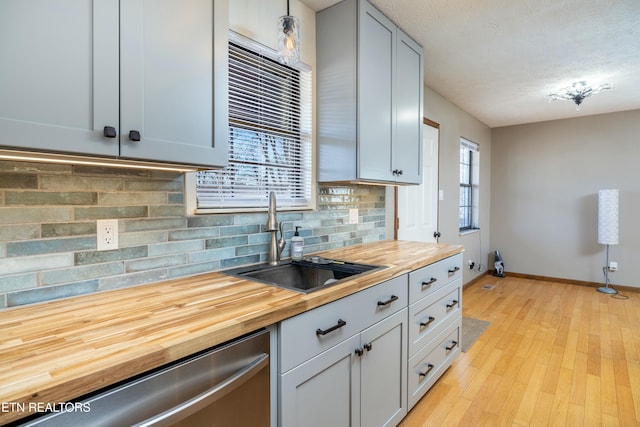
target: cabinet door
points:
(324, 390)
(383, 372)
(375, 101)
(409, 93)
(173, 80)
(59, 75)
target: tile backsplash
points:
(48, 219)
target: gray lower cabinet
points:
(349, 361)
(138, 80)
(383, 372)
(321, 391)
(367, 359)
(370, 97)
(359, 382)
(435, 323)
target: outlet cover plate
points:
(106, 234)
(353, 216)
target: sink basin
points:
(308, 275)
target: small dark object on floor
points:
(498, 265)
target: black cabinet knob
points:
(134, 135)
(109, 132)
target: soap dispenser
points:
(297, 245)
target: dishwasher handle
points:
(183, 410)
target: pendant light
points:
(288, 39)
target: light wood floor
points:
(554, 355)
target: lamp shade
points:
(288, 40)
(608, 209)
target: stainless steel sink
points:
(308, 275)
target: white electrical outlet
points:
(353, 216)
(107, 234)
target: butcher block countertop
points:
(59, 350)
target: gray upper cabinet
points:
(370, 97)
(138, 80)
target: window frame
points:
(469, 184)
(306, 134)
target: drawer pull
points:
(339, 325)
(431, 319)
(425, 373)
(359, 351)
(134, 135)
(109, 132)
(389, 301)
(453, 304)
(368, 346)
(453, 270)
(429, 283)
(452, 346)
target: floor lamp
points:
(608, 207)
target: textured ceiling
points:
(498, 59)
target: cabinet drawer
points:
(431, 314)
(429, 279)
(309, 334)
(430, 363)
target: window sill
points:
(469, 231)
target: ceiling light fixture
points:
(577, 92)
(288, 39)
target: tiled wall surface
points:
(48, 219)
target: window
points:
(469, 185)
(269, 135)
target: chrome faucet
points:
(276, 246)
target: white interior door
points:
(417, 212)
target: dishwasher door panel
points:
(226, 386)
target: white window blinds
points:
(269, 136)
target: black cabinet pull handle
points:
(429, 283)
(453, 304)
(431, 319)
(400, 172)
(453, 270)
(368, 346)
(359, 351)
(425, 373)
(436, 234)
(134, 135)
(389, 301)
(109, 132)
(452, 346)
(339, 325)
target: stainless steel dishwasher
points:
(225, 386)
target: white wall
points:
(545, 178)
(456, 123)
